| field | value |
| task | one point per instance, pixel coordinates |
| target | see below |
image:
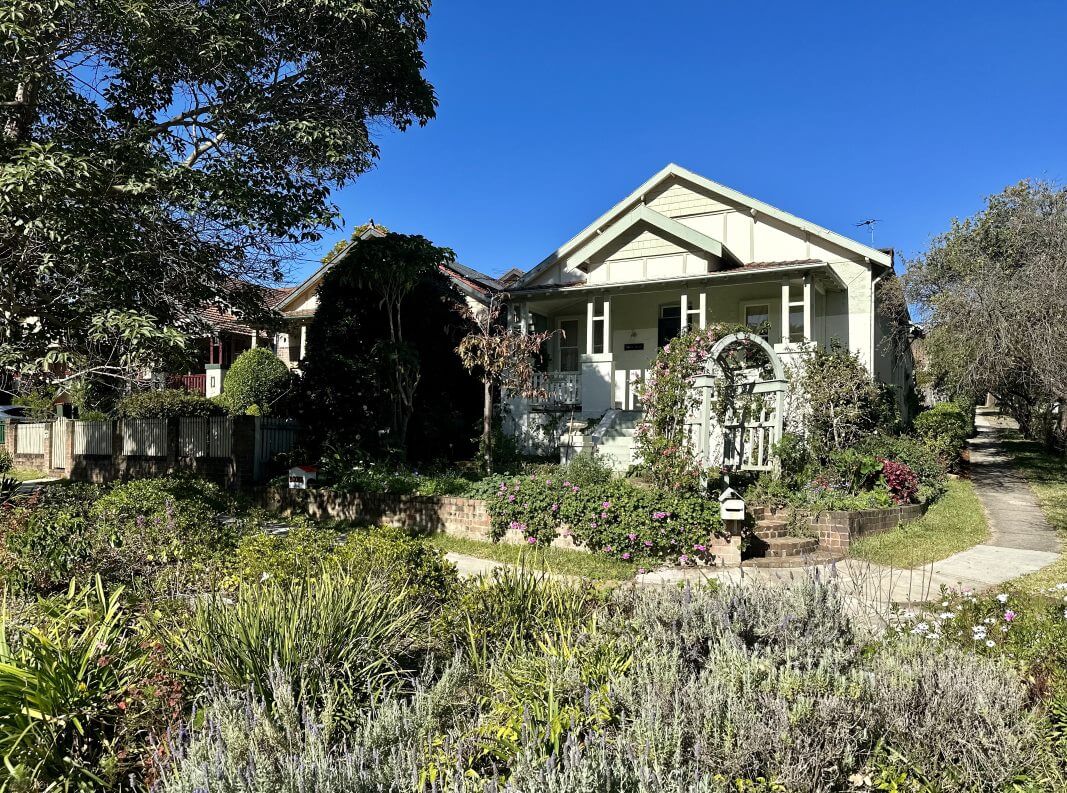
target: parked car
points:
(12, 413)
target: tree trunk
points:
(487, 424)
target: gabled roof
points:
(678, 172)
(642, 215)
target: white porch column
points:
(785, 311)
(684, 312)
(303, 341)
(255, 339)
(807, 308)
(607, 324)
(590, 309)
(703, 309)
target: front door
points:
(670, 324)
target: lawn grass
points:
(24, 474)
(555, 560)
(953, 523)
(1047, 474)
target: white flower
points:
(989, 620)
(944, 602)
(979, 632)
(1061, 586)
(990, 643)
(921, 627)
(1003, 628)
(946, 615)
(1003, 598)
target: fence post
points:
(68, 448)
(9, 437)
(48, 446)
(118, 450)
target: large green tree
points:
(157, 156)
(992, 291)
(381, 371)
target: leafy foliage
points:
(257, 383)
(613, 516)
(334, 635)
(166, 403)
(991, 292)
(945, 425)
(66, 686)
(381, 371)
(160, 158)
(669, 399)
(842, 402)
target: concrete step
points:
(779, 547)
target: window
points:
(758, 319)
(670, 324)
(568, 345)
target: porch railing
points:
(193, 383)
(558, 389)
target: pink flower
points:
(608, 549)
(626, 555)
(603, 515)
(566, 484)
(606, 505)
(555, 507)
(631, 536)
(1009, 615)
(641, 571)
(700, 548)
(648, 543)
(683, 559)
(575, 488)
(511, 497)
(531, 540)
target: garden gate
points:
(740, 404)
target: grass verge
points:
(953, 523)
(555, 560)
(1047, 474)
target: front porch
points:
(607, 337)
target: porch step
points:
(780, 547)
(770, 528)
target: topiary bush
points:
(257, 383)
(166, 403)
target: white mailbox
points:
(300, 476)
(731, 505)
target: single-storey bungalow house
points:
(683, 250)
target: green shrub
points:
(151, 523)
(946, 426)
(166, 403)
(256, 383)
(337, 635)
(615, 517)
(65, 693)
(303, 553)
(5, 460)
(922, 458)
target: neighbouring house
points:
(297, 305)
(681, 250)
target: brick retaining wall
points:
(837, 529)
(461, 517)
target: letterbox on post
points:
(301, 476)
(731, 505)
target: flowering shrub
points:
(615, 517)
(669, 398)
(902, 482)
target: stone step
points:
(805, 560)
(778, 547)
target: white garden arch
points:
(739, 439)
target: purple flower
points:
(700, 548)
(531, 540)
(648, 543)
(575, 488)
(606, 505)
(608, 549)
(683, 559)
(603, 515)
(1009, 615)
(631, 536)
(548, 481)
(511, 497)
(566, 484)
(658, 515)
(555, 507)
(626, 555)
(641, 571)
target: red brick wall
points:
(837, 529)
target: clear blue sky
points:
(550, 112)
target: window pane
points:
(758, 318)
(670, 312)
(598, 336)
(796, 324)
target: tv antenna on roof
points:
(870, 224)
